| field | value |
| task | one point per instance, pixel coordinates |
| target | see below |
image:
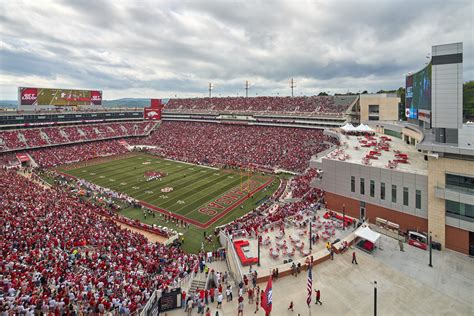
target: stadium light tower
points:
(292, 85)
(210, 87)
(247, 84)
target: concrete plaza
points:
(406, 285)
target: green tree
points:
(468, 100)
(322, 94)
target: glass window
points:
(372, 188)
(362, 186)
(394, 193)
(460, 183)
(382, 191)
(405, 196)
(418, 199)
(353, 184)
(460, 209)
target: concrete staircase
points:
(199, 282)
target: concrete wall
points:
(446, 86)
(388, 106)
(337, 180)
(437, 169)
(466, 136)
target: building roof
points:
(351, 151)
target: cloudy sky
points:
(167, 48)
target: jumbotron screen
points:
(59, 97)
(418, 92)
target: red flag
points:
(266, 301)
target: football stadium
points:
(255, 205)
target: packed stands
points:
(59, 155)
(236, 145)
(312, 105)
(7, 159)
(40, 137)
(64, 256)
(10, 140)
(257, 221)
(300, 185)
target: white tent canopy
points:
(368, 234)
(348, 127)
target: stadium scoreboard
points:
(29, 96)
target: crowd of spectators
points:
(61, 255)
(39, 137)
(301, 184)
(60, 155)
(261, 219)
(266, 104)
(236, 145)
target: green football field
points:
(200, 195)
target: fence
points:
(231, 258)
(152, 306)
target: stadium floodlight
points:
(211, 86)
(292, 83)
(247, 86)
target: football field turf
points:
(200, 195)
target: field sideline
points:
(197, 194)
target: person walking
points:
(250, 294)
(208, 312)
(318, 297)
(241, 309)
(290, 308)
(190, 307)
(220, 297)
(332, 253)
(354, 259)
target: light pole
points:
(258, 250)
(343, 216)
(310, 235)
(375, 298)
(210, 87)
(292, 85)
(431, 248)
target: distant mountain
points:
(8, 104)
(127, 102)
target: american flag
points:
(310, 285)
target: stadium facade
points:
(435, 194)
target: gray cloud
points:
(161, 48)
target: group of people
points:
(301, 184)
(60, 155)
(303, 104)
(61, 255)
(237, 145)
(39, 137)
(220, 288)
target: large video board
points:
(59, 97)
(418, 92)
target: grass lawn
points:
(205, 197)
